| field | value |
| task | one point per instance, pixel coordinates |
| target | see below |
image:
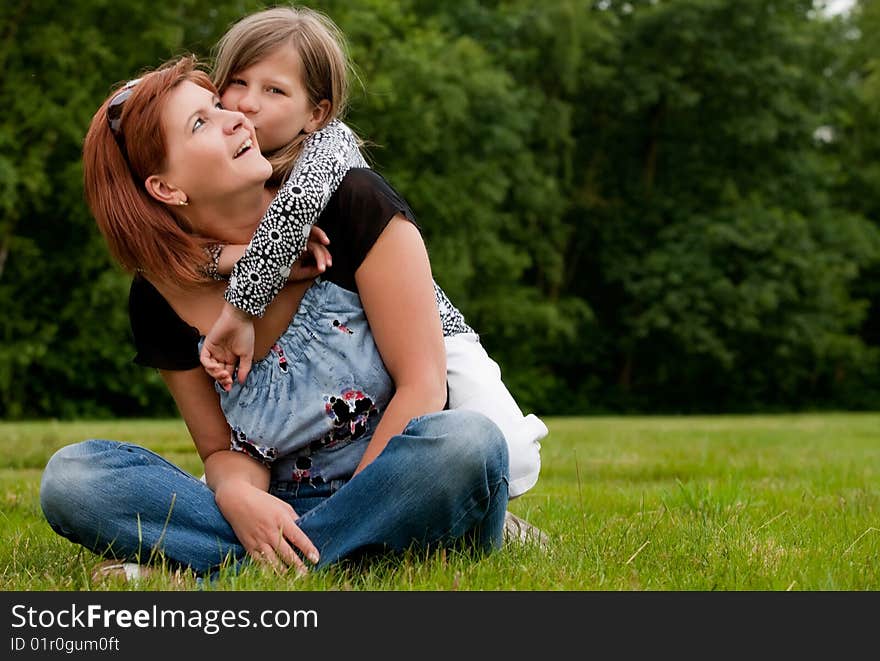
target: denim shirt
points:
(309, 408)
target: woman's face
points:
(272, 95)
(212, 153)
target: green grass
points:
(631, 503)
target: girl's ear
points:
(164, 192)
(319, 116)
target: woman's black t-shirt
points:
(355, 216)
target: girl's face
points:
(271, 94)
(212, 152)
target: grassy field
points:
(787, 502)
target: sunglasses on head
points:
(114, 109)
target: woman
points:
(337, 444)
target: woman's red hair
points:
(142, 233)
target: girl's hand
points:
(315, 260)
(265, 526)
(229, 342)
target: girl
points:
(286, 70)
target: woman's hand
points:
(265, 526)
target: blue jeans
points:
(442, 481)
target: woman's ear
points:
(165, 192)
(319, 116)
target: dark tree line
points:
(654, 206)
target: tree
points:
(653, 205)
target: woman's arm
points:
(397, 291)
(263, 523)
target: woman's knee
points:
(466, 439)
(70, 475)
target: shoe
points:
(521, 531)
(131, 572)
(125, 571)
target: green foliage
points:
(650, 205)
(754, 301)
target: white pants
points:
(475, 384)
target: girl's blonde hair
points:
(321, 47)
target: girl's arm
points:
(311, 263)
(237, 325)
(280, 238)
(397, 291)
(263, 523)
